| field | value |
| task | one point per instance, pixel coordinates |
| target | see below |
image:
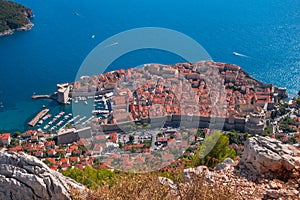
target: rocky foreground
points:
(26, 177)
(268, 169)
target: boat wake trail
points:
(240, 55)
(113, 44)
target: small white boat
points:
(238, 54)
(59, 123)
(85, 102)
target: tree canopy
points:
(213, 150)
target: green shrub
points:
(213, 150)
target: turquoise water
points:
(268, 32)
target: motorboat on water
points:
(238, 54)
(46, 127)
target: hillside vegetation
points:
(106, 184)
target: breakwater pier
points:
(35, 120)
(41, 96)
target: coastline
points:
(253, 95)
(26, 27)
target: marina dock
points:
(100, 112)
(41, 96)
(35, 120)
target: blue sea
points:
(267, 32)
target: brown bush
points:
(147, 186)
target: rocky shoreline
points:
(25, 27)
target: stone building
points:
(254, 123)
(63, 91)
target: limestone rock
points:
(225, 165)
(200, 171)
(167, 182)
(26, 177)
(264, 154)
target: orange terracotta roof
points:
(4, 136)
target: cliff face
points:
(26, 177)
(14, 17)
(267, 155)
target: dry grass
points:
(147, 186)
(132, 186)
(200, 188)
(76, 194)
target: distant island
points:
(14, 17)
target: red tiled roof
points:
(16, 148)
(51, 151)
(51, 160)
(49, 143)
(74, 159)
(53, 167)
(5, 136)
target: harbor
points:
(51, 121)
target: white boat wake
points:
(239, 54)
(113, 44)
